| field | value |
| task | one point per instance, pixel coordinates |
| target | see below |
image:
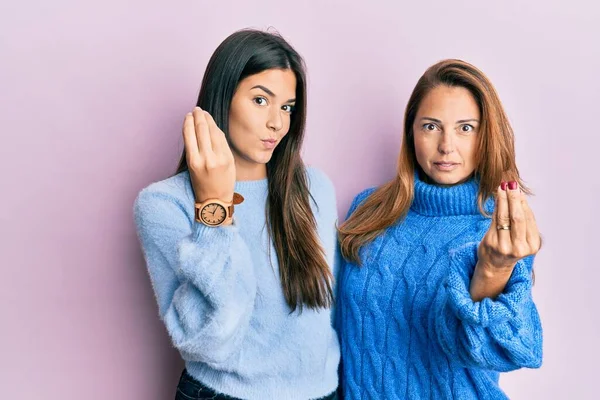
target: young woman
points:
(435, 297)
(246, 298)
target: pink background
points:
(92, 96)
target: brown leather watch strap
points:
(237, 198)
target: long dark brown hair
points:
(305, 275)
(496, 156)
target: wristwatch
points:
(215, 212)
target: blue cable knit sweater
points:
(220, 296)
(408, 327)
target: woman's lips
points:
(445, 165)
(269, 143)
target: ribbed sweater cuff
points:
(487, 312)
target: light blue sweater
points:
(408, 326)
(220, 296)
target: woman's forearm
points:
(489, 281)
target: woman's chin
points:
(262, 157)
(447, 179)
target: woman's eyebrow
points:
(270, 92)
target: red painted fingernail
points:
(503, 185)
(512, 185)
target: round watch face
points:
(213, 214)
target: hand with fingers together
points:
(209, 158)
(513, 234)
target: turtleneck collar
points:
(440, 201)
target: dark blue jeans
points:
(190, 389)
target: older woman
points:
(434, 299)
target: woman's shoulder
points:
(319, 185)
(318, 180)
(322, 192)
(175, 189)
(359, 199)
(363, 195)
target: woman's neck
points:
(425, 178)
(249, 171)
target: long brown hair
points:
(496, 156)
(305, 275)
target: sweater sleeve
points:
(341, 269)
(501, 334)
(340, 264)
(203, 278)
